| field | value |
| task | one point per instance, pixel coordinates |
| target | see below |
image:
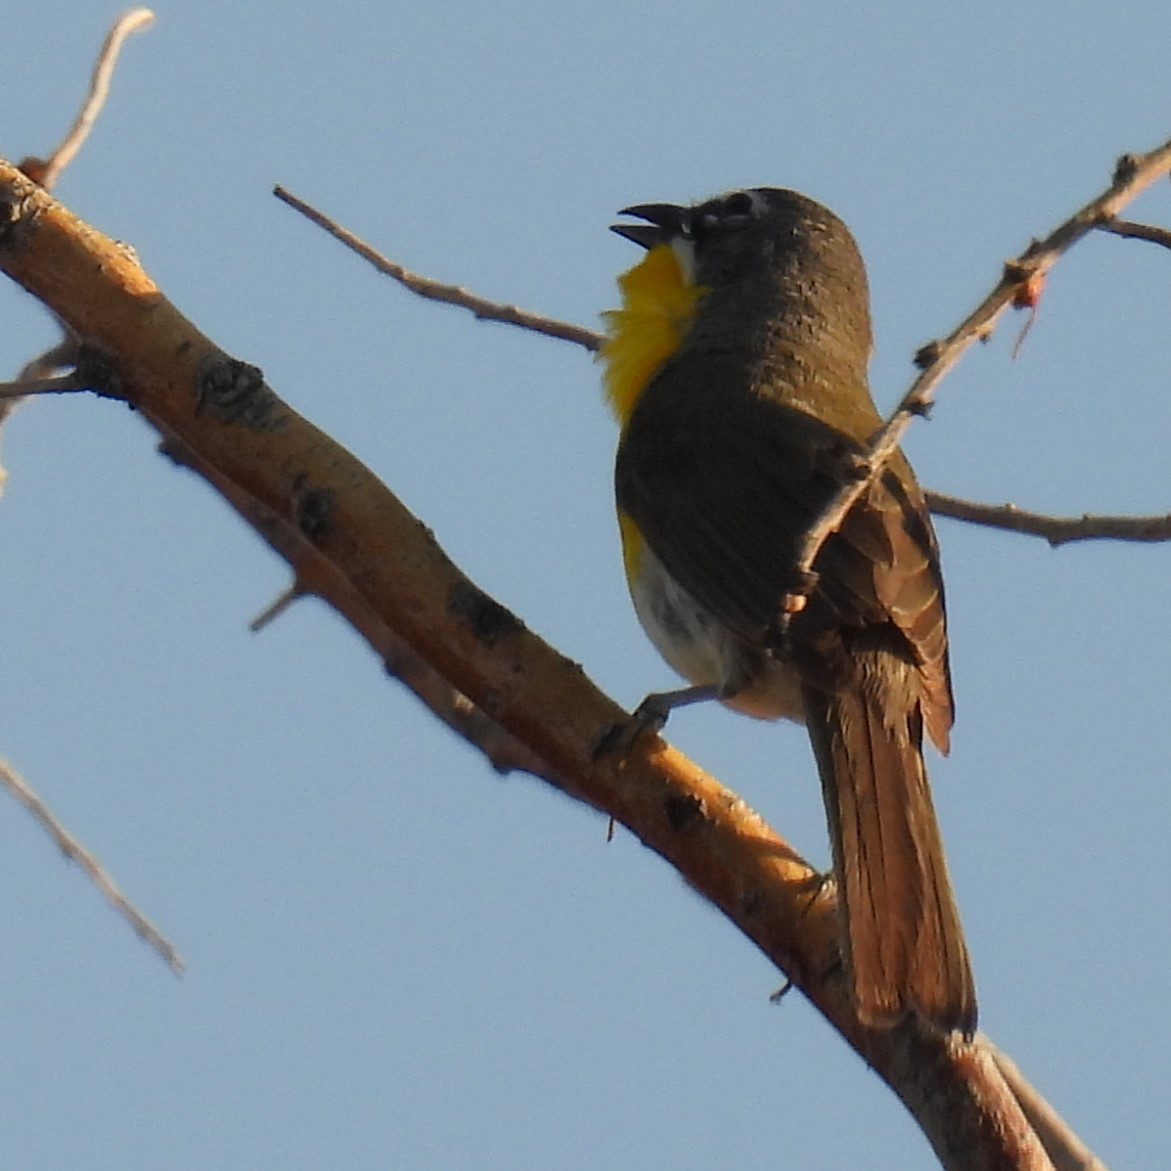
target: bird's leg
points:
(651, 716)
(654, 710)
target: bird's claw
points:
(620, 739)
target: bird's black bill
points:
(664, 221)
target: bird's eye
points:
(739, 203)
(724, 214)
(728, 213)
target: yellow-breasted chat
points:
(737, 369)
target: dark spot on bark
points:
(312, 509)
(174, 449)
(1126, 168)
(235, 392)
(15, 221)
(489, 621)
(682, 812)
(753, 902)
(98, 372)
(926, 355)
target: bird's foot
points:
(650, 716)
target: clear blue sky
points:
(396, 958)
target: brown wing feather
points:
(724, 486)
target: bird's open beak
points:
(665, 222)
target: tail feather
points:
(904, 945)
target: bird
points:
(736, 367)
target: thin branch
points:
(76, 852)
(481, 307)
(1057, 530)
(1129, 230)
(61, 356)
(276, 608)
(49, 171)
(24, 387)
(1022, 278)
(1065, 1149)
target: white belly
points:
(704, 652)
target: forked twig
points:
(35, 377)
(1132, 174)
(1024, 274)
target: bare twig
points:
(1132, 174)
(276, 608)
(1129, 230)
(23, 387)
(49, 171)
(481, 307)
(1064, 1148)
(76, 852)
(39, 370)
(62, 356)
(1022, 293)
(1057, 530)
(34, 378)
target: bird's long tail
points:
(903, 942)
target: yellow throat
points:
(658, 305)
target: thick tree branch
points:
(315, 576)
(356, 546)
